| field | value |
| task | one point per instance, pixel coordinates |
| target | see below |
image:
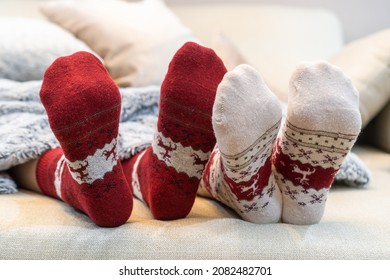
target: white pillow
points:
(367, 62)
(29, 46)
(136, 40)
(227, 51)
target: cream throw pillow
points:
(367, 62)
(227, 50)
(135, 39)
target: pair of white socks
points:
(271, 172)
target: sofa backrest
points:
(272, 38)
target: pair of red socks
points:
(83, 106)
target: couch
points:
(272, 38)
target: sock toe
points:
(244, 109)
(80, 97)
(322, 96)
(193, 69)
(68, 73)
(188, 94)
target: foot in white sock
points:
(246, 120)
(322, 124)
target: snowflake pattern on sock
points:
(306, 162)
(244, 181)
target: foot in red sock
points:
(166, 175)
(83, 106)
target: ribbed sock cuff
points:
(44, 172)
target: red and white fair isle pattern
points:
(306, 162)
(90, 169)
(83, 106)
(244, 181)
(166, 175)
(95, 166)
(175, 156)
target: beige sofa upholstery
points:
(356, 224)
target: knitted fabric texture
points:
(166, 176)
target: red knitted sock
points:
(167, 174)
(83, 106)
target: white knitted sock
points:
(322, 124)
(246, 120)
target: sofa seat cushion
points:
(356, 225)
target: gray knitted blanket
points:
(25, 133)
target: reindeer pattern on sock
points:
(95, 166)
(176, 155)
(245, 181)
(199, 161)
(303, 179)
(166, 155)
(306, 158)
(80, 170)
